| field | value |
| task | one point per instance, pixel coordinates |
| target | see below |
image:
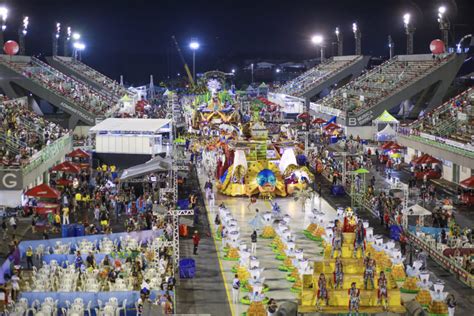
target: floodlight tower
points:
(3, 20)
(21, 35)
(318, 40)
(444, 24)
(56, 39)
(340, 44)
(409, 31)
(194, 45)
(357, 37)
(67, 40)
(391, 46)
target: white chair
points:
(122, 309)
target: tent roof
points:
(156, 164)
(67, 166)
(130, 125)
(417, 210)
(468, 183)
(425, 159)
(319, 120)
(43, 191)
(388, 130)
(78, 153)
(386, 117)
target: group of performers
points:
(369, 270)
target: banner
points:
(11, 179)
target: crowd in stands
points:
(81, 95)
(453, 119)
(111, 85)
(23, 133)
(314, 76)
(371, 88)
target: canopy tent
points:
(388, 133)
(331, 126)
(43, 191)
(78, 153)
(156, 164)
(386, 117)
(468, 183)
(416, 210)
(361, 171)
(303, 116)
(66, 167)
(131, 125)
(319, 120)
(391, 145)
(425, 159)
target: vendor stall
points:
(467, 193)
(424, 167)
(46, 199)
(61, 171)
(80, 157)
(385, 127)
(417, 210)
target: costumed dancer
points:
(382, 292)
(337, 240)
(322, 291)
(338, 273)
(354, 299)
(369, 272)
(359, 241)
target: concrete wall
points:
(464, 173)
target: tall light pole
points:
(251, 69)
(444, 25)
(67, 40)
(409, 31)
(75, 45)
(78, 48)
(318, 40)
(357, 37)
(3, 18)
(194, 45)
(391, 46)
(340, 38)
(56, 39)
(22, 33)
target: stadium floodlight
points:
(406, 19)
(26, 21)
(76, 36)
(58, 29)
(4, 15)
(233, 71)
(194, 45)
(317, 39)
(442, 10)
(337, 31)
(354, 27)
(79, 46)
(278, 70)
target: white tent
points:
(157, 164)
(388, 133)
(417, 210)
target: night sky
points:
(133, 37)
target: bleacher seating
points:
(314, 76)
(23, 133)
(453, 119)
(379, 83)
(109, 84)
(76, 92)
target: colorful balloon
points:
(437, 46)
(11, 48)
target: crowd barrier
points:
(62, 297)
(143, 236)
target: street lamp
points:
(3, 17)
(194, 45)
(444, 24)
(357, 36)
(22, 33)
(318, 40)
(339, 42)
(409, 31)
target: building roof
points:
(133, 125)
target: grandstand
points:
(449, 129)
(78, 70)
(82, 102)
(388, 85)
(324, 75)
(29, 146)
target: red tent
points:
(391, 145)
(331, 126)
(319, 120)
(78, 153)
(468, 183)
(64, 182)
(43, 191)
(425, 159)
(67, 167)
(303, 116)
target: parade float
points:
(354, 271)
(260, 167)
